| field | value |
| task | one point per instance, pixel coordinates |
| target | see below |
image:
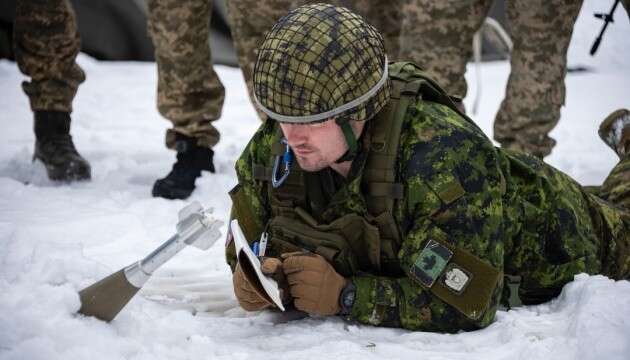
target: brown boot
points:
(615, 131)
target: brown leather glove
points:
(247, 297)
(314, 284)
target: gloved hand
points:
(246, 295)
(272, 267)
(313, 283)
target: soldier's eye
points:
(320, 124)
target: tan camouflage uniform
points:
(385, 16)
(251, 19)
(535, 92)
(46, 45)
(190, 93)
(438, 36)
(249, 22)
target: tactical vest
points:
(353, 242)
(360, 233)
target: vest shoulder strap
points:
(409, 83)
(429, 88)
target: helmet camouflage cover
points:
(320, 61)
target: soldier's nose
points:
(295, 134)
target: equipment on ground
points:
(105, 298)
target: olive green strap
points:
(385, 189)
(351, 140)
(380, 173)
(513, 282)
(260, 172)
(430, 89)
(277, 148)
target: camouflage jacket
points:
(492, 206)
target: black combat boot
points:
(191, 160)
(615, 131)
(54, 147)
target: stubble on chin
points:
(311, 166)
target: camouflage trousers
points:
(248, 32)
(189, 92)
(611, 205)
(46, 44)
(438, 36)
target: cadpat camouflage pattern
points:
(544, 227)
(468, 214)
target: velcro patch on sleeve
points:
(467, 284)
(430, 263)
(456, 278)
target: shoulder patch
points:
(456, 276)
(430, 263)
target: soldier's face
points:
(317, 146)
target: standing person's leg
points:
(46, 46)
(541, 32)
(190, 94)
(437, 35)
(385, 16)
(249, 22)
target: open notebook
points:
(250, 264)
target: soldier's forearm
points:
(400, 302)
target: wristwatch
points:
(346, 298)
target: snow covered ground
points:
(57, 239)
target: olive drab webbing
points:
(366, 244)
(408, 83)
(370, 241)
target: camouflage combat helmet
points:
(320, 62)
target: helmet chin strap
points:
(351, 140)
